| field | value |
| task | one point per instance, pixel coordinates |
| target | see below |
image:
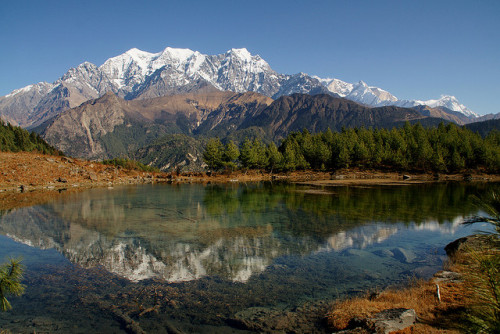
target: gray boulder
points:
(471, 242)
(392, 320)
(444, 276)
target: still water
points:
(222, 258)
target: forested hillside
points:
(15, 139)
(485, 127)
(446, 148)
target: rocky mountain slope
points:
(320, 112)
(137, 74)
(111, 126)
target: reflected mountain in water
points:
(185, 232)
(364, 236)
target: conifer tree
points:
(231, 154)
(213, 155)
(274, 157)
(11, 275)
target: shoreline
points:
(33, 171)
(31, 178)
(438, 303)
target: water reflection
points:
(185, 232)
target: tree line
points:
(15, 139)
(446, 148)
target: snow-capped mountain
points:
(137, 74)
(377, 97)
(359, 92)
(447, 101)
(236, 70)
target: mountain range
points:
(137, 74)
(160, 108)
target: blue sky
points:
(415, 49)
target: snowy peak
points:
(301, 83)
(249, 62)
(372, 96)
(242, 53)
(138, 54)
(360, 84)
(84, 70)
(377, 97)
(451, 103)
(172, 55)
(337, 86)
(40, 88)
(233, 70)
(383, 95)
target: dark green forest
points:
(444, 149)
(16, 139)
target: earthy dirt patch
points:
(31, 171)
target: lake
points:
(230, 258)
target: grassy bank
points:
(467, 300)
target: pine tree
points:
(321, 153)
(247, 155)
(213, 155)
(11, 275)
(231, 155)
(274, 157)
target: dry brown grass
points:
(480, 265)
(434, 316)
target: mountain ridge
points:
(138, 74)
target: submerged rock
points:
(383, 253)
(355, 252)
(403, 255)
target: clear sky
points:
(415, 49)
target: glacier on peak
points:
(135, 52)
(242, 54)
(175, 54)
(383, 94)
